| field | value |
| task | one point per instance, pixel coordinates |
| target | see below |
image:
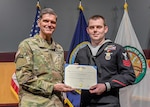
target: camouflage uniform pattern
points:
(39, 65)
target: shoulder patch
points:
(17, 53)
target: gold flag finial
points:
(80, 6)
(38, 4)
(126, 6)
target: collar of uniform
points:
(43, 43)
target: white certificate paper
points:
(80, 76)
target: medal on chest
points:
(108, 55)
(109, 50)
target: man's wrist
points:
(108, 87)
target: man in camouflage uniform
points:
(39, 66)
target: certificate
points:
(80, 76)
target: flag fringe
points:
(78, 91)
(67, 101)
(14, 92)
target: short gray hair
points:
(47, 11)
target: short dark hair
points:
(95, 17)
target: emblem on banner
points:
(138, 61)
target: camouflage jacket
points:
(39, 66)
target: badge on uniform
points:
(108, 55)
(126, 61)
(108, 50)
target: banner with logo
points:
(135, 95)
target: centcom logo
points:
(138, 61)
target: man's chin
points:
(48, 33)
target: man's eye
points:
(45, 20)
(99, 27)
(91, 27)
(53, 22)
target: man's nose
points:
(49, 23)
(95, 28)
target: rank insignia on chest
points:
(126, 61)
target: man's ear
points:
(38, 22)
(106, 29)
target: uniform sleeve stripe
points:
(119, 82)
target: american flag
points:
(34, 30)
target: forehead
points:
(98, 21)
(48, 16)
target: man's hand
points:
(98, 89)
(62, 87)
